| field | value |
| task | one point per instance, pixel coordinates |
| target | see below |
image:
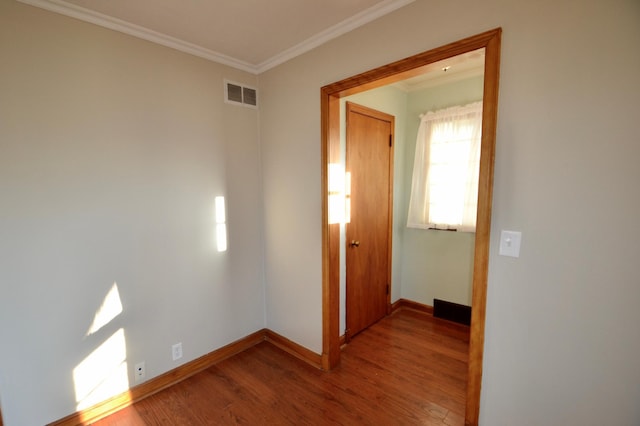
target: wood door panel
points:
(369, 161)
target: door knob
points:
(354, 243)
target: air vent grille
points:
(234, 92)
(249, 96)
(238, 94)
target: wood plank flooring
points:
(407, 369)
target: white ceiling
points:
(253, 35)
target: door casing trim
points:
(330, 141)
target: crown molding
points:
(138, 31)
(358, 20)
(88, 15)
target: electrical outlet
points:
(176, 351)
(139, 372)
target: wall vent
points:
(452, 311)
(239, 94)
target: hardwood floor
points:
(409, 368)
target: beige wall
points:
(560, 346)
(112, 150)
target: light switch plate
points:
(510, 243)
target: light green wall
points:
(435, 264)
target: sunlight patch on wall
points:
(221, 225)
(339, 194)
(103, 373)
(111, 307)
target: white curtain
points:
(444, 188)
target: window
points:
(444, 187)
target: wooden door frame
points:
(330, 142)
(383, 116)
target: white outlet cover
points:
(510, 243)
(139, 373)
(176, 351)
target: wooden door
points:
(369, 160)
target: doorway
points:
(330, 116)
(369, 161)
